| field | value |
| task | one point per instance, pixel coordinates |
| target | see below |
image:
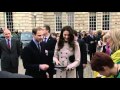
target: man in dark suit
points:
(33, 56)
(9, 52)
(49, 49)
(5, 74)
(83, 50)
(92, 42)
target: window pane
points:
(9, 19)
(92, 20)
(70, 19)
(58, 21)
(105, 22)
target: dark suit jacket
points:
(83, 52)
(50, 46)
(5, 74)
(32, 58)
(91, 47)
(10, 54)
(104, 49)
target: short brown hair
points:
(47, 27)
(34, 30)
(99, 60)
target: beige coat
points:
(63, 57)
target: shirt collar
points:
(47, 36)
(7, 39)
(35, 42)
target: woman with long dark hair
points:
(66, 54)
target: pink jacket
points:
(64, 54)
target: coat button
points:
(61, 57)
(66, 53)
(61, 52)
(66, 58)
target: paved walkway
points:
(88, 73)
(21, 68)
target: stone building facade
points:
(80, 21)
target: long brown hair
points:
(70, 40)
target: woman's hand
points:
(57, 62)
(69, 67)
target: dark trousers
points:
(36, 74)
(51, 71)
(91, 54)
(79, 72)
(7, 66)
(12, 70)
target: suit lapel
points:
(12, 43)
(48, 39)
(34, 45)
(5, 43)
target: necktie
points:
(8, 43)
(45, 40)
(91, 36)
(39, 47)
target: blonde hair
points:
(115, 39)
(106, 36)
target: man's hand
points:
(92, 42)
(43, 67)
(46, 52)
(47, 75)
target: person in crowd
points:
(113, 38)
(99, 35)
(67, 54)
(114, 42)
(34, 57)
(106, 45)
(92, 42)
(83, 50)
(85, 35)
(58, 36)
(54, 35)
(9, 52)
(99, 45)
(104, 64)
(50, 43)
